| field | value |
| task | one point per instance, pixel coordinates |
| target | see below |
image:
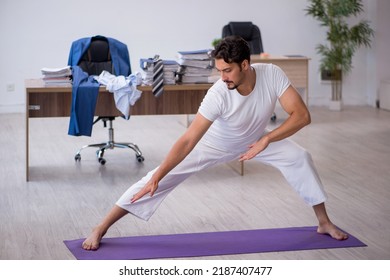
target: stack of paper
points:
(57, 76)
(195, 66)
(170, 68)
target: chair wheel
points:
(100, 153)
(102, 161)
(140, 158)
(77, 157)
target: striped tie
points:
(158, 77)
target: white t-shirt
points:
(239, 121)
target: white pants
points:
(293, 161)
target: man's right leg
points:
(92, 242)
(143, 208)
(200, 158)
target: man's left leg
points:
(298, 168)
(325, 225)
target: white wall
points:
(383, 41)
(36, 34)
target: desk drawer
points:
(58, 104)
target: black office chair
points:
(96, 59)
(250, 33)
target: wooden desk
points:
(296, 69)
(51, 101)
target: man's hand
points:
(255, 149)
(150, 188)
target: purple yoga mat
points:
(209, 244)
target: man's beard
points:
(230, 85)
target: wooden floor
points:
(64, 199)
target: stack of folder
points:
(195, 67)
(57, 76)
(170, 68)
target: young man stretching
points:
(231, 125)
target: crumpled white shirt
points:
(124, 89)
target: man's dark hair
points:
(232, 49)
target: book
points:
(170, 68)
(196, 55)
(208, 63)
(57, 72)
(57, 76)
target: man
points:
(230, 125)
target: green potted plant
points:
(215, 42)
(342, 38)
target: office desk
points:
(52, 101)
(296, 69)
(55, 101)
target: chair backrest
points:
(248, 31)
(97, 57)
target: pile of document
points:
(195, 67)
(170, 68)
(57, 76)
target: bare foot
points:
(92, 242)
(332, 230)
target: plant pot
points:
(336, 83)
(336, 102)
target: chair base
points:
(110, 144)
(102, 147)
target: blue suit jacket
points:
(85, 89)
(119, 54)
